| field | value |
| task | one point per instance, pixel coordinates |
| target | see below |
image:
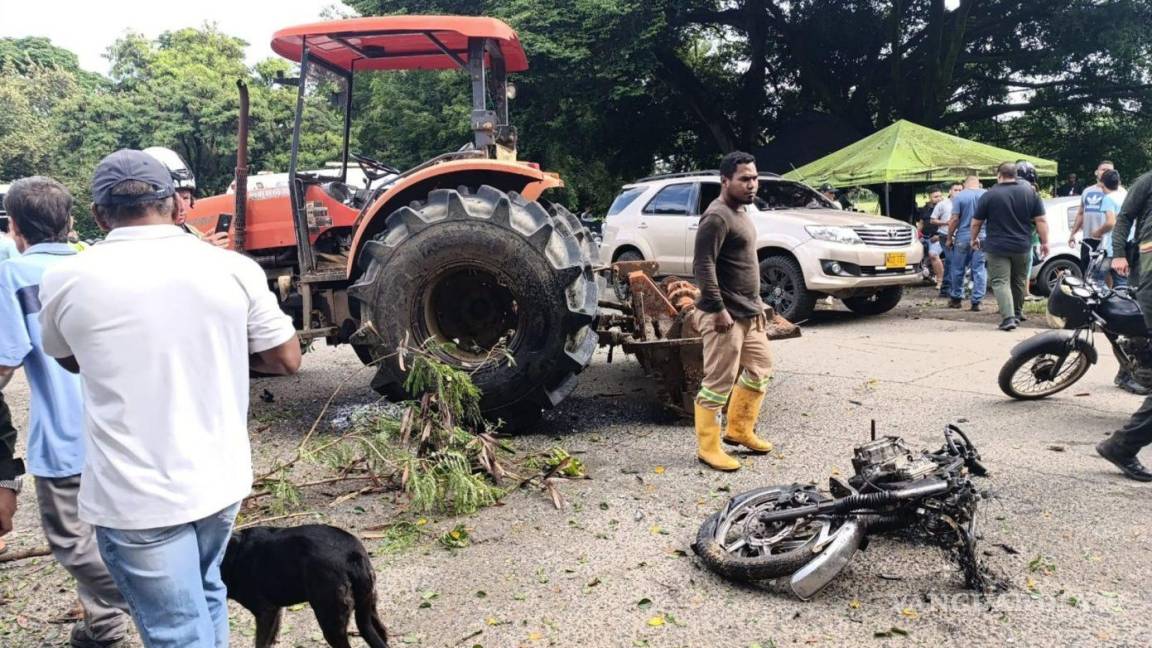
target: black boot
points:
(1129, 384)
(1127, 463)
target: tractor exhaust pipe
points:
(239, 218)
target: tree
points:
(177, 91)
(708, 76)
(588, 107)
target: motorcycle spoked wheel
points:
(1035, 375)
(736, 545)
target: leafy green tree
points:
(622, 87)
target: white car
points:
(3, 191)
(1061, 260)
(808, 248)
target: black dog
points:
(268, 568)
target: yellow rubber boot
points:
(743, 410)
(708, 441)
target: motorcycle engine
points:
(889, 459)
(1139, 350)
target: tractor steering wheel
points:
(373, 169)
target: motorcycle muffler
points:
(814, 576)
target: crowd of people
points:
(955, 231)
(138, 429)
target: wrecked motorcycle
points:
(1052, 361)
(810, 536)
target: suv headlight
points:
(833, 234)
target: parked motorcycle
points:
(809, 536)
(1050, 362)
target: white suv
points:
(808, 248)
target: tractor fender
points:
(1054, 342)
(520, 177)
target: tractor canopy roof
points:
(398, 42)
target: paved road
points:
(535, 576)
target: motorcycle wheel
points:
(736, 545)
(1033, 376)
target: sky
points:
(88, 27)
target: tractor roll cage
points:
(487, 68)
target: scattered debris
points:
(22, 555)
(1042, 564)
(437, 449)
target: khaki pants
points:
(1008, 274)
(741, 353)
(73, 545)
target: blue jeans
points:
(170, 577)
(963, 257)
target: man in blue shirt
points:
(964, 257)
(40, 212)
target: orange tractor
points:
(460, 249)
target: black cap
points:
(129, 164)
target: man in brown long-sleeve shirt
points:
(730, 317)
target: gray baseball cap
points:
(129, 164)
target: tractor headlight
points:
(834, 234)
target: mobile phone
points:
(223, 223)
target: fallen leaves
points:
(1042, 564)
(457, 538)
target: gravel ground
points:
(614, 567)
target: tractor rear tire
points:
(498, 276)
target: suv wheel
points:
(876, 303)
(620, 284)
(782, 287)
(1052, 272)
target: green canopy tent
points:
(908, 152)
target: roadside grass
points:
(1037, 307)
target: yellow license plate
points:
(895, 259)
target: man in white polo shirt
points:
(168, 459)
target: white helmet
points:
(182, 177)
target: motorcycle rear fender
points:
(807, 581)
(1054, 342)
